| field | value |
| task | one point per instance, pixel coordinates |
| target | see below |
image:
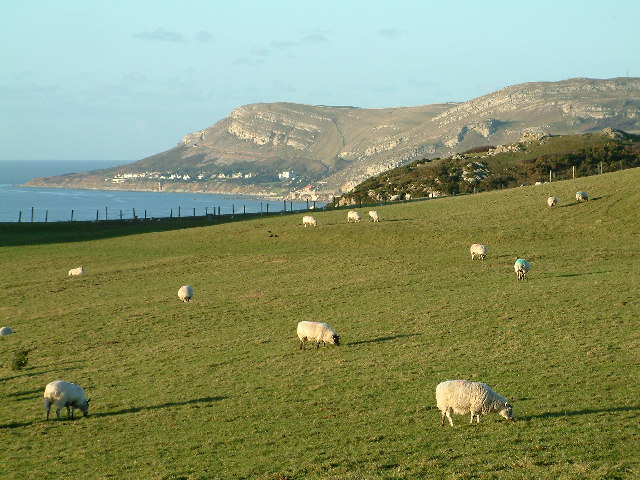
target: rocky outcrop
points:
(334, 148)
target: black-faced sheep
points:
(317, 332)
(521, 268)
(185, 293)
(478, 249)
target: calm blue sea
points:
(56, 204)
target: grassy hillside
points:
(218, 388)
(490, 168)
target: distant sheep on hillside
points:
(77, 271)
(521, 268)
(309, 220)
(462, 397)
(375, 216)
(552, 201)
(582, 196)
(185, 293)
(478, 249)
(5, 331)
(353, 216)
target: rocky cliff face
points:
(334, 148)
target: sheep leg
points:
(302, 344)
(442, 419)
(449, 416)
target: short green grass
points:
(218, 388)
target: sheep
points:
(521, 267)
(65, 394)
(394, 198)
(478, 249)
(77, 271)
(375, 216)
(582, 196)
(317, 332)
(462, 397)
(5, 331)
(309, 220)
(552, 201)
(185, 293)
(353, 216)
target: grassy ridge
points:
(218, 389)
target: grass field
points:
(217, 388)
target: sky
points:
(126, 79)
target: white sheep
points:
(65, 394)
(462, 397)
(582, 196)
(309, 220)
(353, 216)
(77, 271)
(521, 268)
(317, 332)
(5, 331)
(478, 249)
(185, 293)
(552, 201)
(395, 198)
(375, 216)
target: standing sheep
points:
(353, 216)
(77, 271)
(478, 249)
(552, 201)
(582, 196)
(317, 332)
(5, 331)
(65, 394)
(185, 293)
(375, 216)
(309, 220)
(521, 267)
(462, 397)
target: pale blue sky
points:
(125, 79)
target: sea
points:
(27, 204)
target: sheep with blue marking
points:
(463, 397)
(5, 331)
(521, 268)
(582, 196)
(65, 395)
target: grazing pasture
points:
(218, 388)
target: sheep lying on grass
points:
(478, 249)
(353, 216)
(375, 216)
(462, 397)
(317, 332)
(185, 293)
(5, 331)
(552, 201)
(582, 196)
(77, 271)
(521, 268)
(309, 220)
(65, 394)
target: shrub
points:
(20, 359)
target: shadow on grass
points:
(573, 204)
(156, 407)
(383, 339)
(586, 411)
(121, 412)
(26, 393)
(33, 374)
(581, 274)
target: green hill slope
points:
(218, 388)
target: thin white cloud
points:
(160, 35)
(204, 37)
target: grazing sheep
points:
(582, 196)
(395, 198)
(552, 201)
(77, 271)
(353, 216)
(521, 267)
(317, 332)
(65, 394)
(5, 331)
(478, 249)
(375, 216)
(462, 397)
(185, 293)
(309, 220)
